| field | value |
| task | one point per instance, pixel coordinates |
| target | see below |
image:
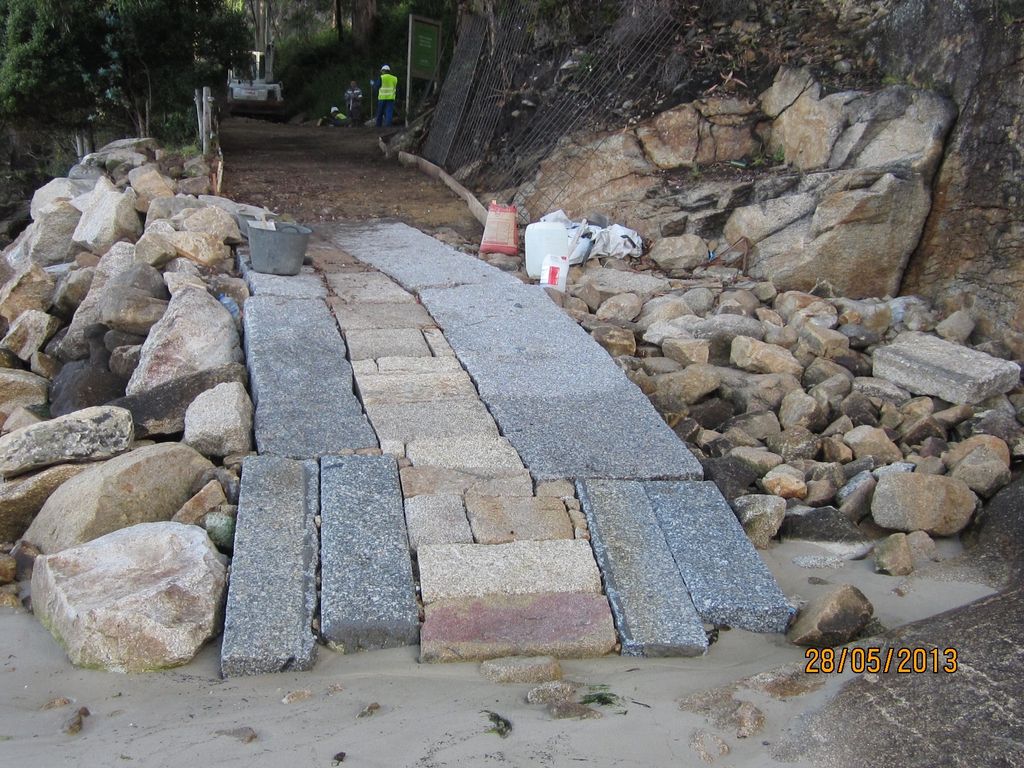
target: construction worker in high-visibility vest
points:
(386, 97)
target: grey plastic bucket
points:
(278, 251)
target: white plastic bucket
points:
(554, 271)
(543, 238)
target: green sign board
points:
(424, 47)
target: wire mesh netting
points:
(591, 87)
(457, 87)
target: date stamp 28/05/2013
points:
(877, 659)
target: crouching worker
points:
(336, 118)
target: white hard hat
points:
(334, 109)
(385, 68)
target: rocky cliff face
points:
(971, 250)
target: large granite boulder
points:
(219, 421)
(969, 252)
(22, 498)
(120, 258)
(51, 239)
(149, 183)
(142, 486)
(29, 333)
(20, 388)
(87, 435)
(30, 287)
(617, 172)
(834, 618)
(212, 220)
(141, 598)
(195, 334)
(59, 189)
(927, 365)
(109, 215)
(936, 504)
(161, 410)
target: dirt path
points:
(319, 175)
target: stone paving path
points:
(493, 415)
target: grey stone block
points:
(434, 419)
(412, 258)
(376, 316)
(437, 519)
(301, 382)
(368, 596)
(367, 288)
(927, 365)
(272, 593)
(555, 393)
(386, 342)
(652, 608)
(305, 285)
(617, 434)
(726, 577)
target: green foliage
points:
(315, 69)
(75, 63)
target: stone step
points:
(517, 568)
(388, 246)
(554, 392)
(368, 595)
(567, 625)
(301, 381)
(649, 600)
(305, 285)
(272, 593)
(726, 577)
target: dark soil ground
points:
(317, 175)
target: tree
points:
(67, 62)
(364, 18)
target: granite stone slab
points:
(649, 600)
(354, 317)
(368, 595)
(617, 434)
(464, 452)
(386, 388)
(412, 258)
(555, 393)
(437, 519)
(305, 285)
(367, 288)
(433, 419)
(518, 568)
(726, 577)
(272, 593)
(563, 625)
(485, 482)
(927, 365)
(418, 365)
(497, 520)
(386, 342)
(301, 382)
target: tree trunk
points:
(339, 20)
(364, 17)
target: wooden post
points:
(199, 113)
(206, 120)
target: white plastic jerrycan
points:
(554, 271)
(542, 238)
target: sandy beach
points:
(435, 715)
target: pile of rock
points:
(847, 422)
(123, 404)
